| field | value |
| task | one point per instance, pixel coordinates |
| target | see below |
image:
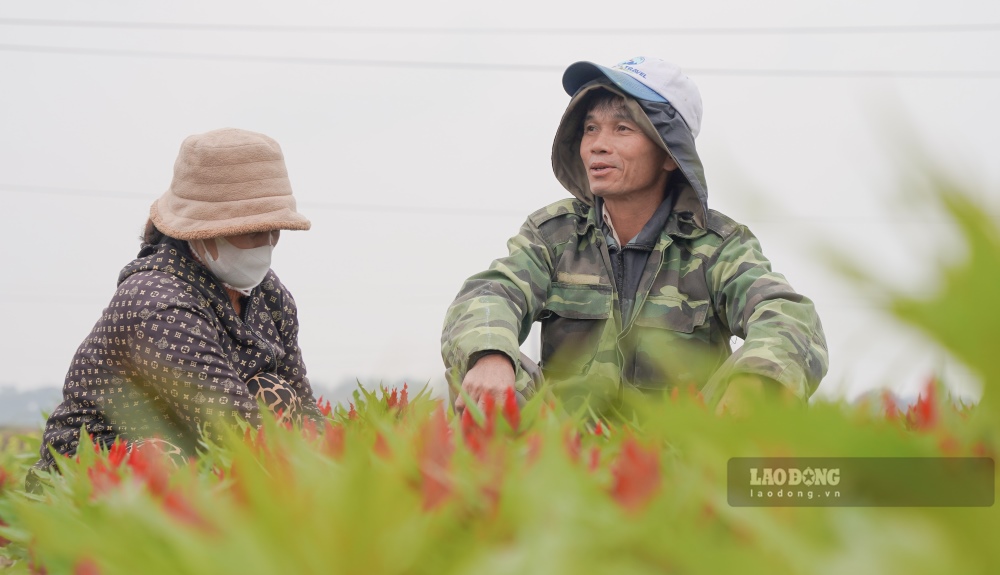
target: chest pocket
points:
(673, 343)
(573, 319)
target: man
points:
(637, 284)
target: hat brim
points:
(581, 73)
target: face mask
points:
(240, 269)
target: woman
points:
(200, 329)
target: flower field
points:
(396, 483)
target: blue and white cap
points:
(649, 79)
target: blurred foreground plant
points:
(394, 484)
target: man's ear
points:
(669, 164)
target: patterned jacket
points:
(705, 281)
(169, 357)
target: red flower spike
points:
(924, 415)
(352, 414)
(381, 448)
(511, 411)
(949, 446)
(534, 442)
(889, 406)
(117, 453)
(468, 423)
(324, 408)
(178, 507)
(490, 410)
(636, 475)
(404, 398)
(573, 440)
(86, 566)
(103, 478)
(434, 459)
(147, 463)
(598, 429)
(393, 399)
(309, 430)
(333, 440)
(595, 458)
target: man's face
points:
(621, 161)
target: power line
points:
(489, 67)
(335, 206)
(675, 31)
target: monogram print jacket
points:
(705, 281)
(169, 357)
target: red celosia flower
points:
(103, 478)
(392, 399)
(434, 457)
(489, 410)
(352, 414)
(324, 407)
(949, 446)
(598, 428)
(471, 433)
(309, 430)
(86, 566)
(595, 458)
(178, 507)
(511, 411)
(333, 440)
(381, 447)
(117, 453)
(573, 441)
(636, 475)
(889, 406)
(923, 415)
(404, 398)
(148, 464)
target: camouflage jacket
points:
(705, 281)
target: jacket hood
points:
(660, 122)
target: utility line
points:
(336, 206)
(676, 31)
(490, 67)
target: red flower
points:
(324, 408)
(393, 399)
(352, 414)
(381, 447)
(595, 458)
(86, 566)
(103, 478)
(178, 507)
(333, 440)
(923, 415)
(889, 406)
(434, 459)
(573, 441)
(404, 398)
(598, 429)
(147, 463)
(636, 475)
(511, 411)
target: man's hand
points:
(745, 389)
(491, 375)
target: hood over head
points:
(672, 128)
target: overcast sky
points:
(417, 138)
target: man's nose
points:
(599, 143)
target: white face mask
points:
(240, 269)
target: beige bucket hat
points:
(227, 182)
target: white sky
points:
(415, 177)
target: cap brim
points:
(581, 73)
